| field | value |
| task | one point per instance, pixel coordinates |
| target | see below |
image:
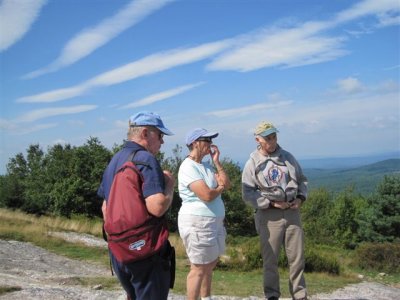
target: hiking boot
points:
(273, 298)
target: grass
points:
(19, 226)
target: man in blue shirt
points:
(148, 278)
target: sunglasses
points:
(159, 133)
(205, 139)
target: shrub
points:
(243, 256)
(382, 257)
(319, 262)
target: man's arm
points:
(104, 210)
(159, 203)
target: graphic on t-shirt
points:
(275, 174)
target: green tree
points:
(380, 221)
(77, 192)
(172, 164)
(36, 199)
(13, 185)
(239, 218)
(315, 216)
(344, 218)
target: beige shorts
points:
(203, 237)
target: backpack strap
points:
(136, 162)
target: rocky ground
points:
(43, 275)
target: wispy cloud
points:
(350, 85)
(148, 65)
(392, 68)
(16, 18)
(267, 47)
(246, 110)
(21, 130)
(158, 62)
(55, 95)
(87, 41)
(18, 128)
(274, 46)
(381, 9)
(162, 95)
(38, 114)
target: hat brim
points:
(165, 130)
(268, 132)
(210, 135)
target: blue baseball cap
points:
(145, 118)
(198, 133)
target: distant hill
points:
(346, 162)
(364, 179)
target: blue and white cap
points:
(146, 118)
(198, 133)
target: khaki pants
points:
(278, 227)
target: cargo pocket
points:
(204, 239)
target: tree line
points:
(63, 181)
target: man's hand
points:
(169, 180)
(280, 204)
(296, 203)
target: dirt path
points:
(42, 275)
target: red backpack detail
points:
(132, 233)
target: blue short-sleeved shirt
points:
(152, 173)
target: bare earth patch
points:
(43, 275)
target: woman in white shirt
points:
(202, 213)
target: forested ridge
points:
(363, 180)
(64, 179)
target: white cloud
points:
(275, 46)
(38, 114)
(393, 68)
(162, 95)
(265, 48)
(277, 49)
(351, 113)
(389, 86)
(21, 130)
(87, 41)
(368, 7)
(16, 19)
(6, 125)
(246, 110)
(16, 128)
(148, 65)
(55, 95)
(387, 19)
(158, 62)
(350, 85)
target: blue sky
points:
(326, 73)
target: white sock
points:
(206, 298)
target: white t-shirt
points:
(189, 172)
